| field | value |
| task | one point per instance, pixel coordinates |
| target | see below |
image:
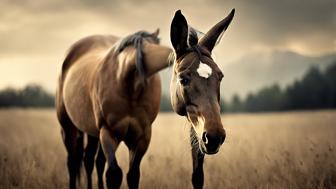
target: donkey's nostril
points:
(205, 138)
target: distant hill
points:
(255, 70)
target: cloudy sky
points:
(35, 34)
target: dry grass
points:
(280, 150)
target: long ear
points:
(179, 33)
(210, 38)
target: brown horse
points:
(195, 88)
(109, 89)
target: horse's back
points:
(84, 45)
(78, 71)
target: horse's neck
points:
(119, 70)
(156, 58)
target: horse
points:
(109, 90)
(195, 88)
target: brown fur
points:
(100, 94)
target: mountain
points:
(256, 70)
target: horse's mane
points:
(136, 40)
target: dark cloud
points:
(257, 22)
(291, 18)
(41, 28)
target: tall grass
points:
(285, 150)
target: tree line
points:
(32, 95)
(316, 90)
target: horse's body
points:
(87, 97)
(110, 91)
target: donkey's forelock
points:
(193, 36)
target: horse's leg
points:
(109, 145)
(136, 153)
(197, 159)
(89, 156)
(73, 141)
(100, 165)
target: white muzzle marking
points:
(199, 126)
(204, 70)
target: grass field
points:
(273, 150)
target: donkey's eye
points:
(184, 81)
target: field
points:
(272, 150)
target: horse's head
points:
(195, 85)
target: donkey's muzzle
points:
(212, 142)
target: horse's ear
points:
(179, 33)
(156, 33)
(211, 38)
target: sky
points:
(36, 34)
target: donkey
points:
(109, 89)
(195, 88)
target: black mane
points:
(136, 40)
(193, 37)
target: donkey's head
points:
(195, 85)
